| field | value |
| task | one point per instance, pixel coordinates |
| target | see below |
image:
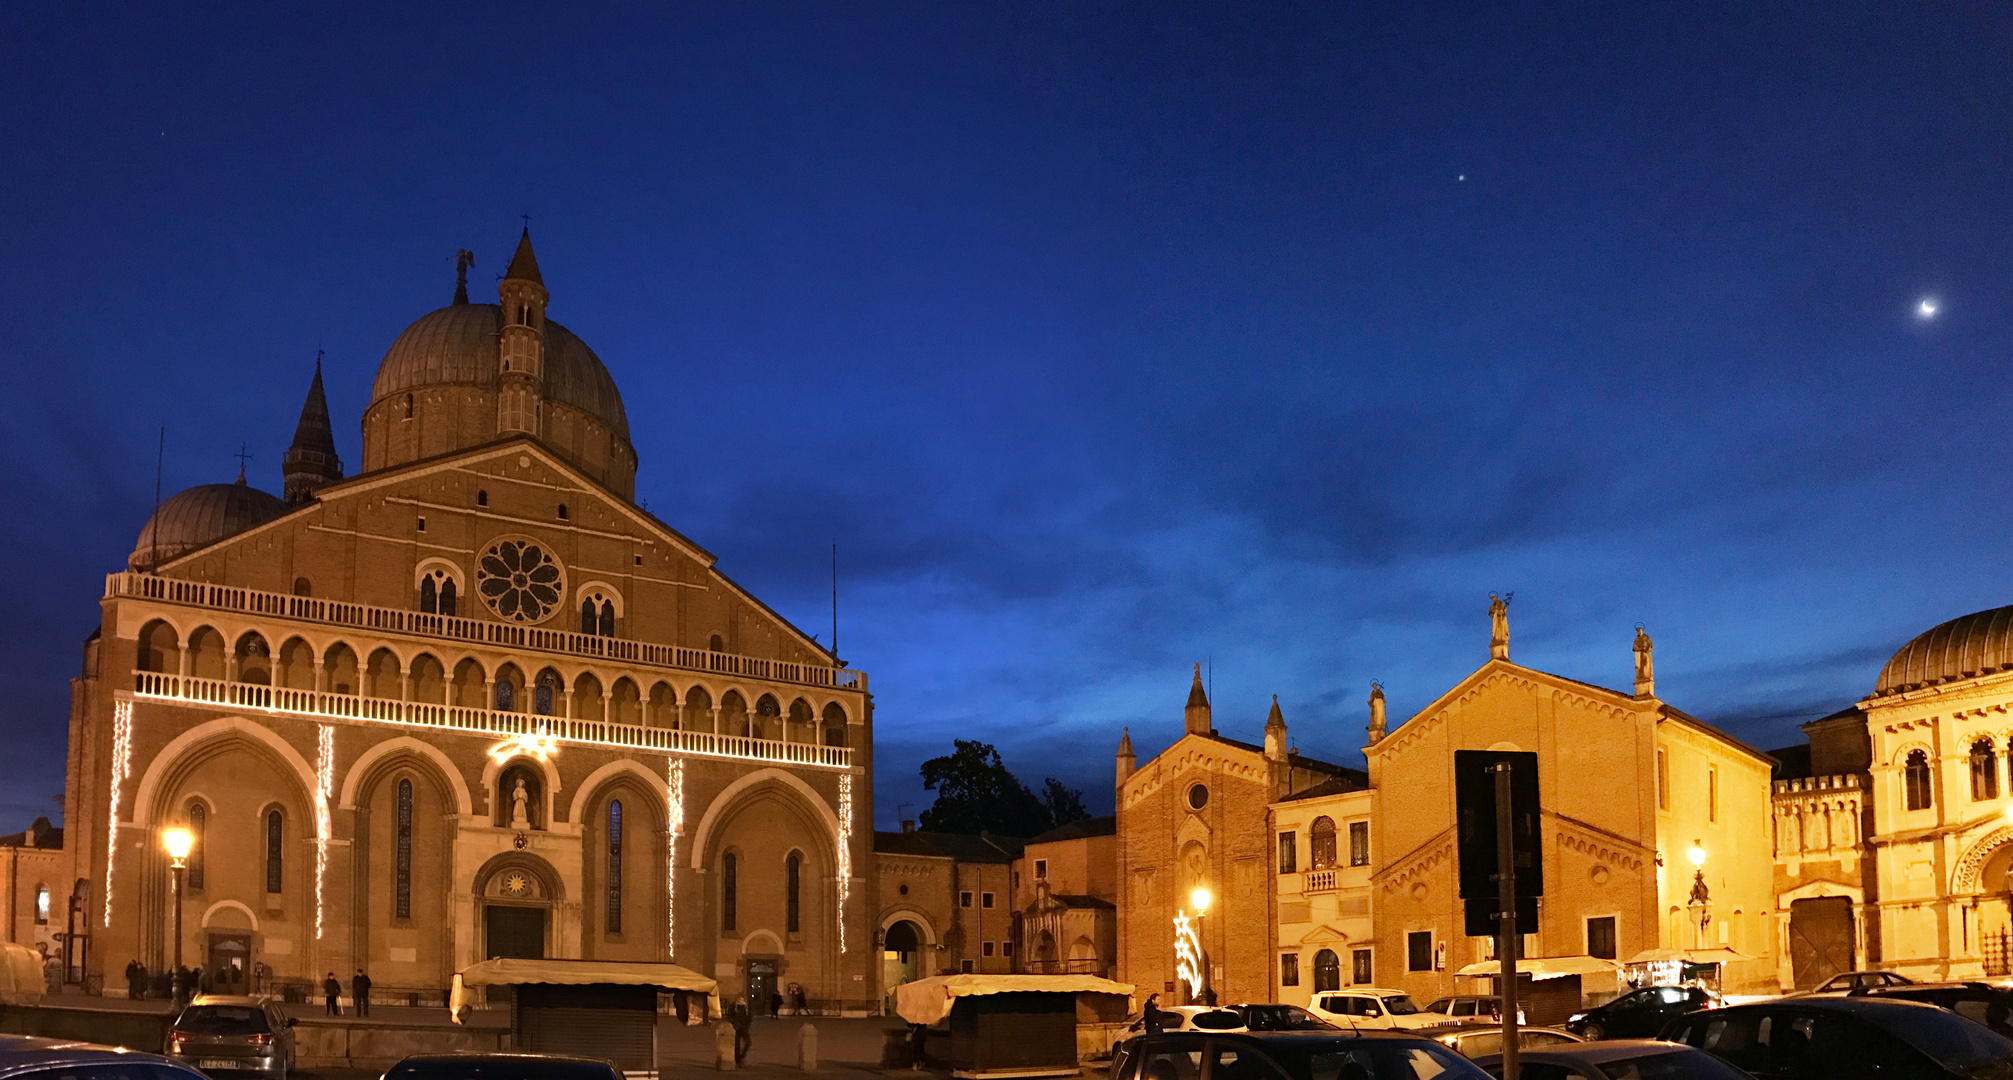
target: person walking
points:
(775, 1004)
(359, 992)
(136, 981)
(798, 1004)
(1152, 1016)
(332, 994)
(742, 1020)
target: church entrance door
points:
(761, 984)
(515, 932)
(230, 960)
(1820, 939)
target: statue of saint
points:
(1499, 627)
(1376, 711)
(519, 800)
(1645, 668)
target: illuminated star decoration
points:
(1187, 954)
(538, 744)
(1926, 309)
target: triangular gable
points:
(1478, 680)
(1323, 935)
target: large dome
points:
(199, 517)
(457, 346)
(1977, 644)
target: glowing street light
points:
(1199, 900)
(1701, 897)
(1697, 855)
(179, 842)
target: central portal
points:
(515, 932)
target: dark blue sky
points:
(1102, 338)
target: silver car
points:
(28, 1057)
(224, 1035)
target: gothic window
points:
(275, 851)
(402, 899)
(199, 820)
(607, 627)
(1984, 771)
(728, 887)
(1327, 971)
(1915, 780)
(587, 616)
(615, 867)
(436, 593)
(429, 598)
(447, 597)
(792, 909)
(541, 698)
(1321, 843)
(504, 696)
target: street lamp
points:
(178, 841)
(1701, 897)
(1199, 900)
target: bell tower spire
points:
(1196, 714)
(311, 462)
(520, 405)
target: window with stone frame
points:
(1359, 843)
(792, 899)
(1321, 843)
(1289, 853)
(275, 851)
(1289, 969)
(1360, 972)
(199, 823)
(401, 900)
(1915, 780)
(729, 890)
(615, 866)
(1984, 771)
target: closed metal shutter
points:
(613, 1023)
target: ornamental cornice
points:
(1997, 684)
(1601, 849)
(1400, 865)
(1191, 753)
(1964, 879)
(1418, 867)
(1502, 674)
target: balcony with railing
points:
(475, 631)
(316, 704)
(1314, 881)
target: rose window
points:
(520, 580)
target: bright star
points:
(1926, 309)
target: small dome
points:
(1977, 644)
(199, 517)
(457, 346)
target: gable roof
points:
(983, 848)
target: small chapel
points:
(472, 701)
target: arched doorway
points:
(1327, 971)
(517, 896)
(901, 955)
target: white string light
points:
(845, 850)
(324, 785)
(122, 767)
(1187, 954)
(538, 744)
(674, 824)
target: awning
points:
(21, 979)
(928, 1001)
(1717, 955)
(514, 972)
(1544, 967)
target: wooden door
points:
(1820, 939)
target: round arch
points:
(584, 793)
(210, 913)
(548, 768)
(405, 744)
(905, 913)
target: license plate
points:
(218, 1063)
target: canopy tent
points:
(1716, 955)
(21, 978)
(929, 1001)
(1543, 967)
(507, 971)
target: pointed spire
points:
(1125, 743)
(311, 462)
(524, 264)
(1197, 713)
(1125, 760)
(1276, 717)
(1275, 732)
(463, 259)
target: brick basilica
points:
(472, 701)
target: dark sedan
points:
(501, 1067)
(1622, 1059)
(1847, 1038)
(1289, 1055)
(1983, 1002)
(1638, 1014)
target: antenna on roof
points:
(835, 601)
(154, 523)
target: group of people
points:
(359, 993)
(178, 984)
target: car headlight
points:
(1576, 1018)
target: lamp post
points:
(1199, 900)
(178, 841)
(1701, 897)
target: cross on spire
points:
(527, 221)
(244, 456)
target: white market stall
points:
(1549, 988)
(590, 1008)
(1011, 1025)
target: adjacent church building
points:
(472, 701)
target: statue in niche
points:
(520, 817)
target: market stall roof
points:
(506, 971)
(21, 979)
(928, 1001)
(1717, 955)
(1544, 967)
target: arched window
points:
(562, 511)
(792, 910)
(1321, 843)
(615, 866)
(716, 644)
(1327, 971)
(436, 593)
(408, 406)
(447, 597)
(728, 887)
(42, 905)
(1915, 780)
(199, 820)
(482, 498)
(1984, 771)
(402, 876)
(587, 619)
(504, 696)
(275, 851)
(541, 698)
(429, 598)
(607, 627)
(302, 587)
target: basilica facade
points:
(473, 701)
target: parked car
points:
(1621, 1059)
(1370, 1007)
(501, 1067)
(1852, 982)
(1847, 1038)
(1480, 1038)
(223, 1033)
(1192, 1018)
(1289, 1055)
(1982, 1002)
(1638, 1014)
(1472, 1007)
(29, 1057)
(1267, 1017)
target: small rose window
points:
(520, 580)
